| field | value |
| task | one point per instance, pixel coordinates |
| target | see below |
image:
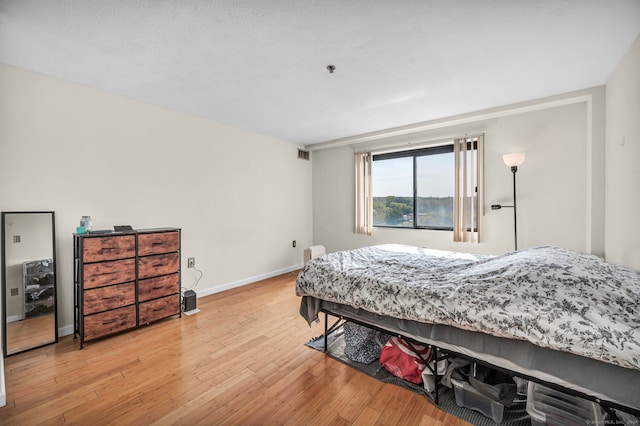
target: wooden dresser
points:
(125, 280)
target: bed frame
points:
(438, 355)
(568, 373)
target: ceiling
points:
(261, 65)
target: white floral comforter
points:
(552, 297)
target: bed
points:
(565, 319)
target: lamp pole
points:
(514, 169)
(512, 160)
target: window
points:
(414, 189)
(417, 189)
(429, 188)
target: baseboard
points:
(14, 318)
(246, 281)
(65, 330)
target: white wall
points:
(560, 185)
(240, 198)
(622, 242)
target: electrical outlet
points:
(191, 262)
(293, 243)
(14, 291)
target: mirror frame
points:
(4, 281)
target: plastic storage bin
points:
(467, 396)
(547, 406)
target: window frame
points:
(421, 152)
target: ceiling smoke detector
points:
(331, 68)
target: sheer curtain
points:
(364, 197)
(468, 189)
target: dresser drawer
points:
(110, 297)
(159, 308)
(109, 322)
(152, 288)
(160, 264)
(163, 242)
(106, 273)
(98, 249)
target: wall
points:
(560, 185)
(622, 242)
(239, 197)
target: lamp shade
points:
(513, 159)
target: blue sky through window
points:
(394, 176)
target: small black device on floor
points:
(188, 300)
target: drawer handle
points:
(159, 309)
(158, 265)
(158, 288)
(110, 321)
(117, 296)
(157, 243)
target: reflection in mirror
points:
(28, 281)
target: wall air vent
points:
(304, 155)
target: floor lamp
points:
(513, 161)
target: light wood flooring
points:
(241, 360)
(30, 332)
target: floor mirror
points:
(29, 305)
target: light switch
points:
(16, 238)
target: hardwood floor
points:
(30, 332)
(241, 360)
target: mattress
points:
(549, 296)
